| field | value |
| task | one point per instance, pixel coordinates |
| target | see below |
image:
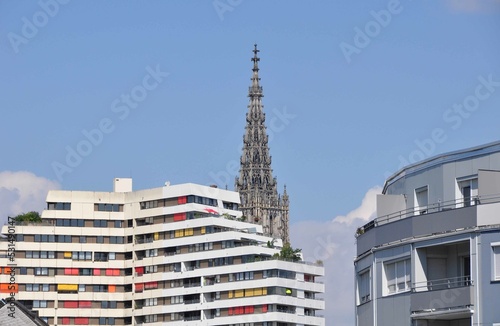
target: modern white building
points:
(174, 255)
(431, 257)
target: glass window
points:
(398, 276)
(364, 287)
(496, 262)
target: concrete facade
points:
(174, 255)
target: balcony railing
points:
(440, 284)
(430, 208)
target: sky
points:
(157, 91)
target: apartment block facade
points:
(431, 257)
(174, 255)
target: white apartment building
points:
(431, 257)
(174, 255)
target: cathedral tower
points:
(260, 201)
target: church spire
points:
(260, 201)
(255, 90)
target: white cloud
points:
(473, 6)
(333, 242)
(366, 211)
(21, 192)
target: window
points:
(177, 299)
(150, 302)
(39, 303)
(151, 253)
(101, 256)
(364, 287)
(83, 239)
(151, 269)
(421, 200)
(100, 239)
(150, 318)
(41, 271)
(59, 206)
(398, 276)
(100, 223)
(108, 207)
(118, 224)
(496, 262)
(45, 288)
(81, 287)
(467, 192)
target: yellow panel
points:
(179, 233)
(67, 254)
(188, 232)
(239, 293)
(249, 293)
(230, 294)
(156, 236)
(67, 287)
(264, 291)
(203, 230)
(257, 291)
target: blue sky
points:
(354, 89)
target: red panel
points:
(249, 309)
(230, 311)
(179, 217)
(139, 270)
(111, 288)
(65, 320)
(74, 271)
(181, 200)
(109, 272)
(97, 272)
(264, 308)
(116, 272)
(67, 271)
(139, 287)
(151, 285)
(81, 320)
(85, 304)
(70, 304)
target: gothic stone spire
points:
(260, 201)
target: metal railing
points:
(428, 209)
(441, 284)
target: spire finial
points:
(255, 58)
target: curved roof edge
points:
(442, 159)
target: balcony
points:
(437, 218)
(444, 304)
